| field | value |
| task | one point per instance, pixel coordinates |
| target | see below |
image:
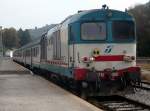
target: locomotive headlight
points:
(92, 58)
(88, 59)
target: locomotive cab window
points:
(123, 30)
(93, 31)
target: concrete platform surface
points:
(33, 93)
(8, 66)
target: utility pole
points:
(1, 42)
(1, 46)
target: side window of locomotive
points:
(72, 36)
(123, 30)
(93, 31)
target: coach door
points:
(43, 48)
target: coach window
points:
(37, 51)
(26, 53)
(93, 31)
(34, 52)
(49, 41)
(29, 53)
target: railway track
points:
(112, 103)
(146, 83)
(144, 86)
(118, 103)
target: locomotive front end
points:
(104, 58)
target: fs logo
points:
(108, 49)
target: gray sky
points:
(31, 13)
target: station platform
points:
(26, 92)
(7, 66)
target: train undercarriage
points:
(94, 84)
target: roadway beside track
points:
(146, 75)
(26, 92)
(144, 63)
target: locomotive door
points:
(43, 48)
(71, 47)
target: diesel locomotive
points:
(93, 51)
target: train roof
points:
(98, 14)
(31, 44)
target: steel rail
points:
(145, 82)
(144, 86)
(118, 103)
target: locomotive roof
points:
(97, 14)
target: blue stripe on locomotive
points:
(58, 69)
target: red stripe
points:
(110, 58)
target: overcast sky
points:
(31, 13)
